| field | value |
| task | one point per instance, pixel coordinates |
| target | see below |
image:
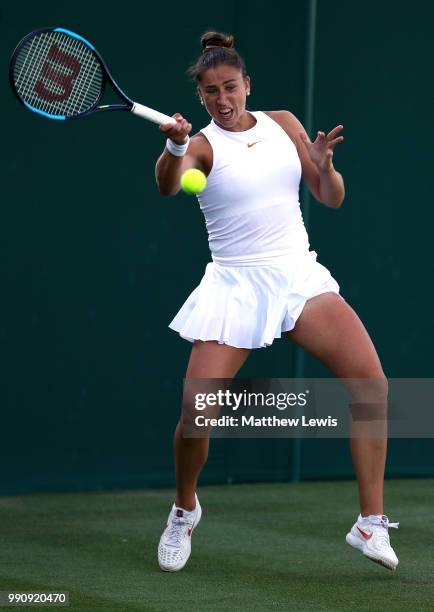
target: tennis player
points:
(263, 281)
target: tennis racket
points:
(60, 75)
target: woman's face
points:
(223, 91)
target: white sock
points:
(186, 513)
(363, 519)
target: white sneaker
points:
(175, 544)
(370, 535)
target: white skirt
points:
(248, 306)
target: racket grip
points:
(152, 115)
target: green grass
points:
(258, 548)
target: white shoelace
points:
(176, 531)
(383, 534)
(384, 522)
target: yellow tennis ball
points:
(193, 181)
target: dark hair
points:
(218, 49)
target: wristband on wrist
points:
(177, 149)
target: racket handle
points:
(152, 115)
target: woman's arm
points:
(169, 168)
(324, 182)
(331, 187)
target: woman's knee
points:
(369, 399)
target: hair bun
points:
(217, 50)
(216, 39)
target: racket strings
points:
(48, 49)
(56, 55)
(58, 74)
(23, 62)
(90, 87)
(74, 49)
(77, 102)
(34, 60)
(78, 51)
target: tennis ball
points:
(193, 181)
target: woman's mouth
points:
(226, 113)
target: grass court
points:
(258, 547)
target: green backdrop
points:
(95, 262)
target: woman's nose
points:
(221, 98)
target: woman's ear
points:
(247, 85)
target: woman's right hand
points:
(179, 132)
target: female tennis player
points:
(263, 281)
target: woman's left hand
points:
(321, 151)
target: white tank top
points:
(251, 200)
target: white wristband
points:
(177, 149)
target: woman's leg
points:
(207, 360)
(330, 330)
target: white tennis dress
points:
(262, 271)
